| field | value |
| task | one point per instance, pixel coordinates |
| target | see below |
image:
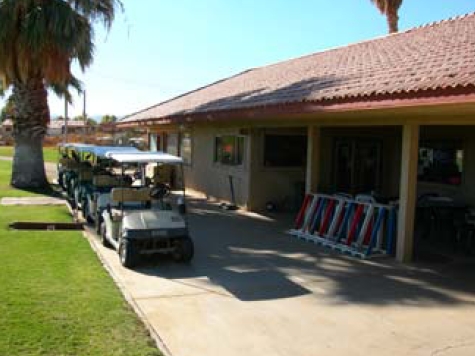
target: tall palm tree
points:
(390, 9)
(39, 39)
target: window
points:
(172, 144)
(185, 147)
(285, 150)
(229, 150)
(441, 162)
(154, 142)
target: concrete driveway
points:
(253, 290)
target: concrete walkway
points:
(253, 290)
(33, 201)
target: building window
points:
(154, 142)
(285, 150)
(186, 147)
(229, 150)
(172, 144)
(441, 162)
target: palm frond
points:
(63, 90)
(102, 10)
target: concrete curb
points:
(91, 237)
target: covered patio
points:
(424, 165)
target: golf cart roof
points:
(102, 151)
(144, 157)
(77, 146)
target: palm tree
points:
(390, 9)
(38, 41)
(106, 119)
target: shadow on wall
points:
(253, 259)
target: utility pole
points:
(84, 104)
(65, 126)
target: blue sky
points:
(158, 49)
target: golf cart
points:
(147, 217)
(69, 166)
(94, 184)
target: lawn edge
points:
(90, 236)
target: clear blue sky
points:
(161, 48)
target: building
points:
(75, 127)
(392, 115)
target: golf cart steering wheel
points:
(159, 191)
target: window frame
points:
(237, 138)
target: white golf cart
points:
(149, 216)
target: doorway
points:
(357, 165)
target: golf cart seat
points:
(105, 181)
(124, 195)
(85, 175)
(69, 163)
(66, 162)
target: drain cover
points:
(49, 226)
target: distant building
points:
(57, 127)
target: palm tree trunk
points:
(30, 120)
(393, 20)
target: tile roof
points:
(71, 123)
(53, 123)
(436, 56)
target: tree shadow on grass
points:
(51, 190)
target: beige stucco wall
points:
(204, 175)
(279, 185)
(255, 184)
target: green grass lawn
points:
(55, 297)
(5, 188)
(50, 153)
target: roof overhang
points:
(459, 95)
(144, 157)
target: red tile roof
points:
(437, 56)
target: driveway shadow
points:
(253, 258)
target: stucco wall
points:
(255, 184)
(212, 178)
(279, 185)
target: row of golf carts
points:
(135, 199)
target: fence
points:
(358, 228)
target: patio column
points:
(313, 159)
(407, 192)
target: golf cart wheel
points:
(98, 224)
(184, 250)
(85, 212)
(104, 240)
(127, 254)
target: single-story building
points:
(75, 127)
(394, 116)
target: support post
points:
(313, 159)
(407, 193)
